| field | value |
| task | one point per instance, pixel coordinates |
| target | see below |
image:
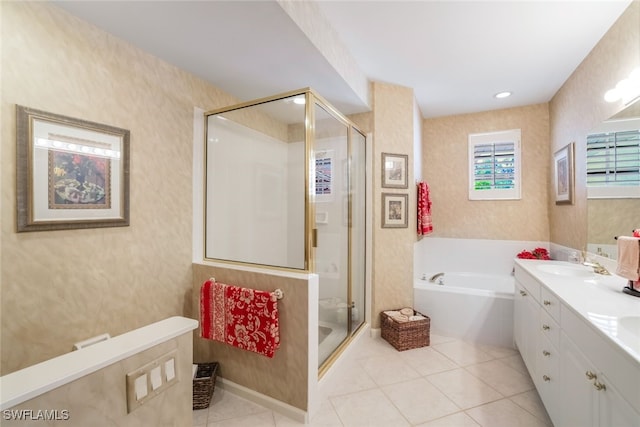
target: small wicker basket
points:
(203, 384)
(405, 335)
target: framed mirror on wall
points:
(613, 180)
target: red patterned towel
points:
(425, 226)
(241, 317)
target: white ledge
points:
(25, 384)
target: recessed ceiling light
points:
(300, 100)
(502, 94)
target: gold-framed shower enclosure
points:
(311, 99)
(356, 179)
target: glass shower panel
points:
(357, 195)
(255, 184)
(331, 202)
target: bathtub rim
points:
(424, 284)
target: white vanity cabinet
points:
(583, 378)
(536, 333)
(579, 396)
(526, 320)
(589, 397)
(548, 367)
(588, 365)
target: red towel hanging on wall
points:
(242, 317)
(425, 226)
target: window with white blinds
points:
(494, 165)
(613, 164)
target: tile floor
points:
(449, 383)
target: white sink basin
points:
(629, 330)
(566, 270)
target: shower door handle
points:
(314, 238)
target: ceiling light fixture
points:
(299, 100)
(500, 95)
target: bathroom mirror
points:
(614, 211)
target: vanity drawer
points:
(550, 303)
(547, 379)
(528, 282)
(548, 363)
(549, 328)
(548, 358)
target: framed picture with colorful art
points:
(71, 173)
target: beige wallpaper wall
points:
(285, 376)
(579, 106)
(60, 287)
(445, 168)
(100, 398)
(392, 247)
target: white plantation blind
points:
(494, 165)
(613, 163)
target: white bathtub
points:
(471, 306)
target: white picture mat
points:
(40, 174)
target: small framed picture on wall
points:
(394, 210)
(563, 175)
(395, 170)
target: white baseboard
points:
(278, 406)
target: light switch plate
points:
(140, 386)
(151, 379)
(170, 369)
(156, 377)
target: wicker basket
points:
(405, 335)
(203, 384)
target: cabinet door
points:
(518, 314)
(613, 409)
(526, 324)
(579, 397)
(548, 381)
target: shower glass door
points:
(357, 198)
(331, 202)
(293, 169)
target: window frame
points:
(487, 138)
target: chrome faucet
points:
(433, 278)
(597, 268)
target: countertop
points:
(27, 383)
(594, 297)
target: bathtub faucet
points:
(433, 278)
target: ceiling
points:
(454, 54)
